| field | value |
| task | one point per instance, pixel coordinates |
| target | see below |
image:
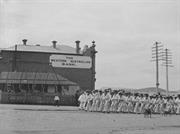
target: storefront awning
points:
(34, 78)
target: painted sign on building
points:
(69, 61)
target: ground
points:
(33, 119)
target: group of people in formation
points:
(125, 102)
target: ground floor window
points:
(16, 88)
(51, 89)
(69, 90)
(23, 88)
(54, 89)
(37, 88)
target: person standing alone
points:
(56, 100)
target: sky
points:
(124, 31)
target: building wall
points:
(39, 62)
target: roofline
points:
(42, 52)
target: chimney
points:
(24, 41)
(77, 46)
(85, 48)
(54, 43)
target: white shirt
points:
(82, 98)
(56, 98)
(107, 97)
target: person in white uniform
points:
(137, 103)
(97, 102)
(177, 102)
(89, 101)
(114, 101)
(102, 101)
(130, 107)
(82, 100)
(107, 102)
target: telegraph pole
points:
(157, 56)
(167, 62)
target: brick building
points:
(35, 73)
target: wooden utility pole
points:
(157, 56)
(167, 58)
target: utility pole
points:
(157, 56)
(167, 62)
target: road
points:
(34, 119)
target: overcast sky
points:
(124, 31)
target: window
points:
(51, 88)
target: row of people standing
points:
(120, 101)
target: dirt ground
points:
(33, 119)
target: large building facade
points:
(44, 71)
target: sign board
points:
(69, 61)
